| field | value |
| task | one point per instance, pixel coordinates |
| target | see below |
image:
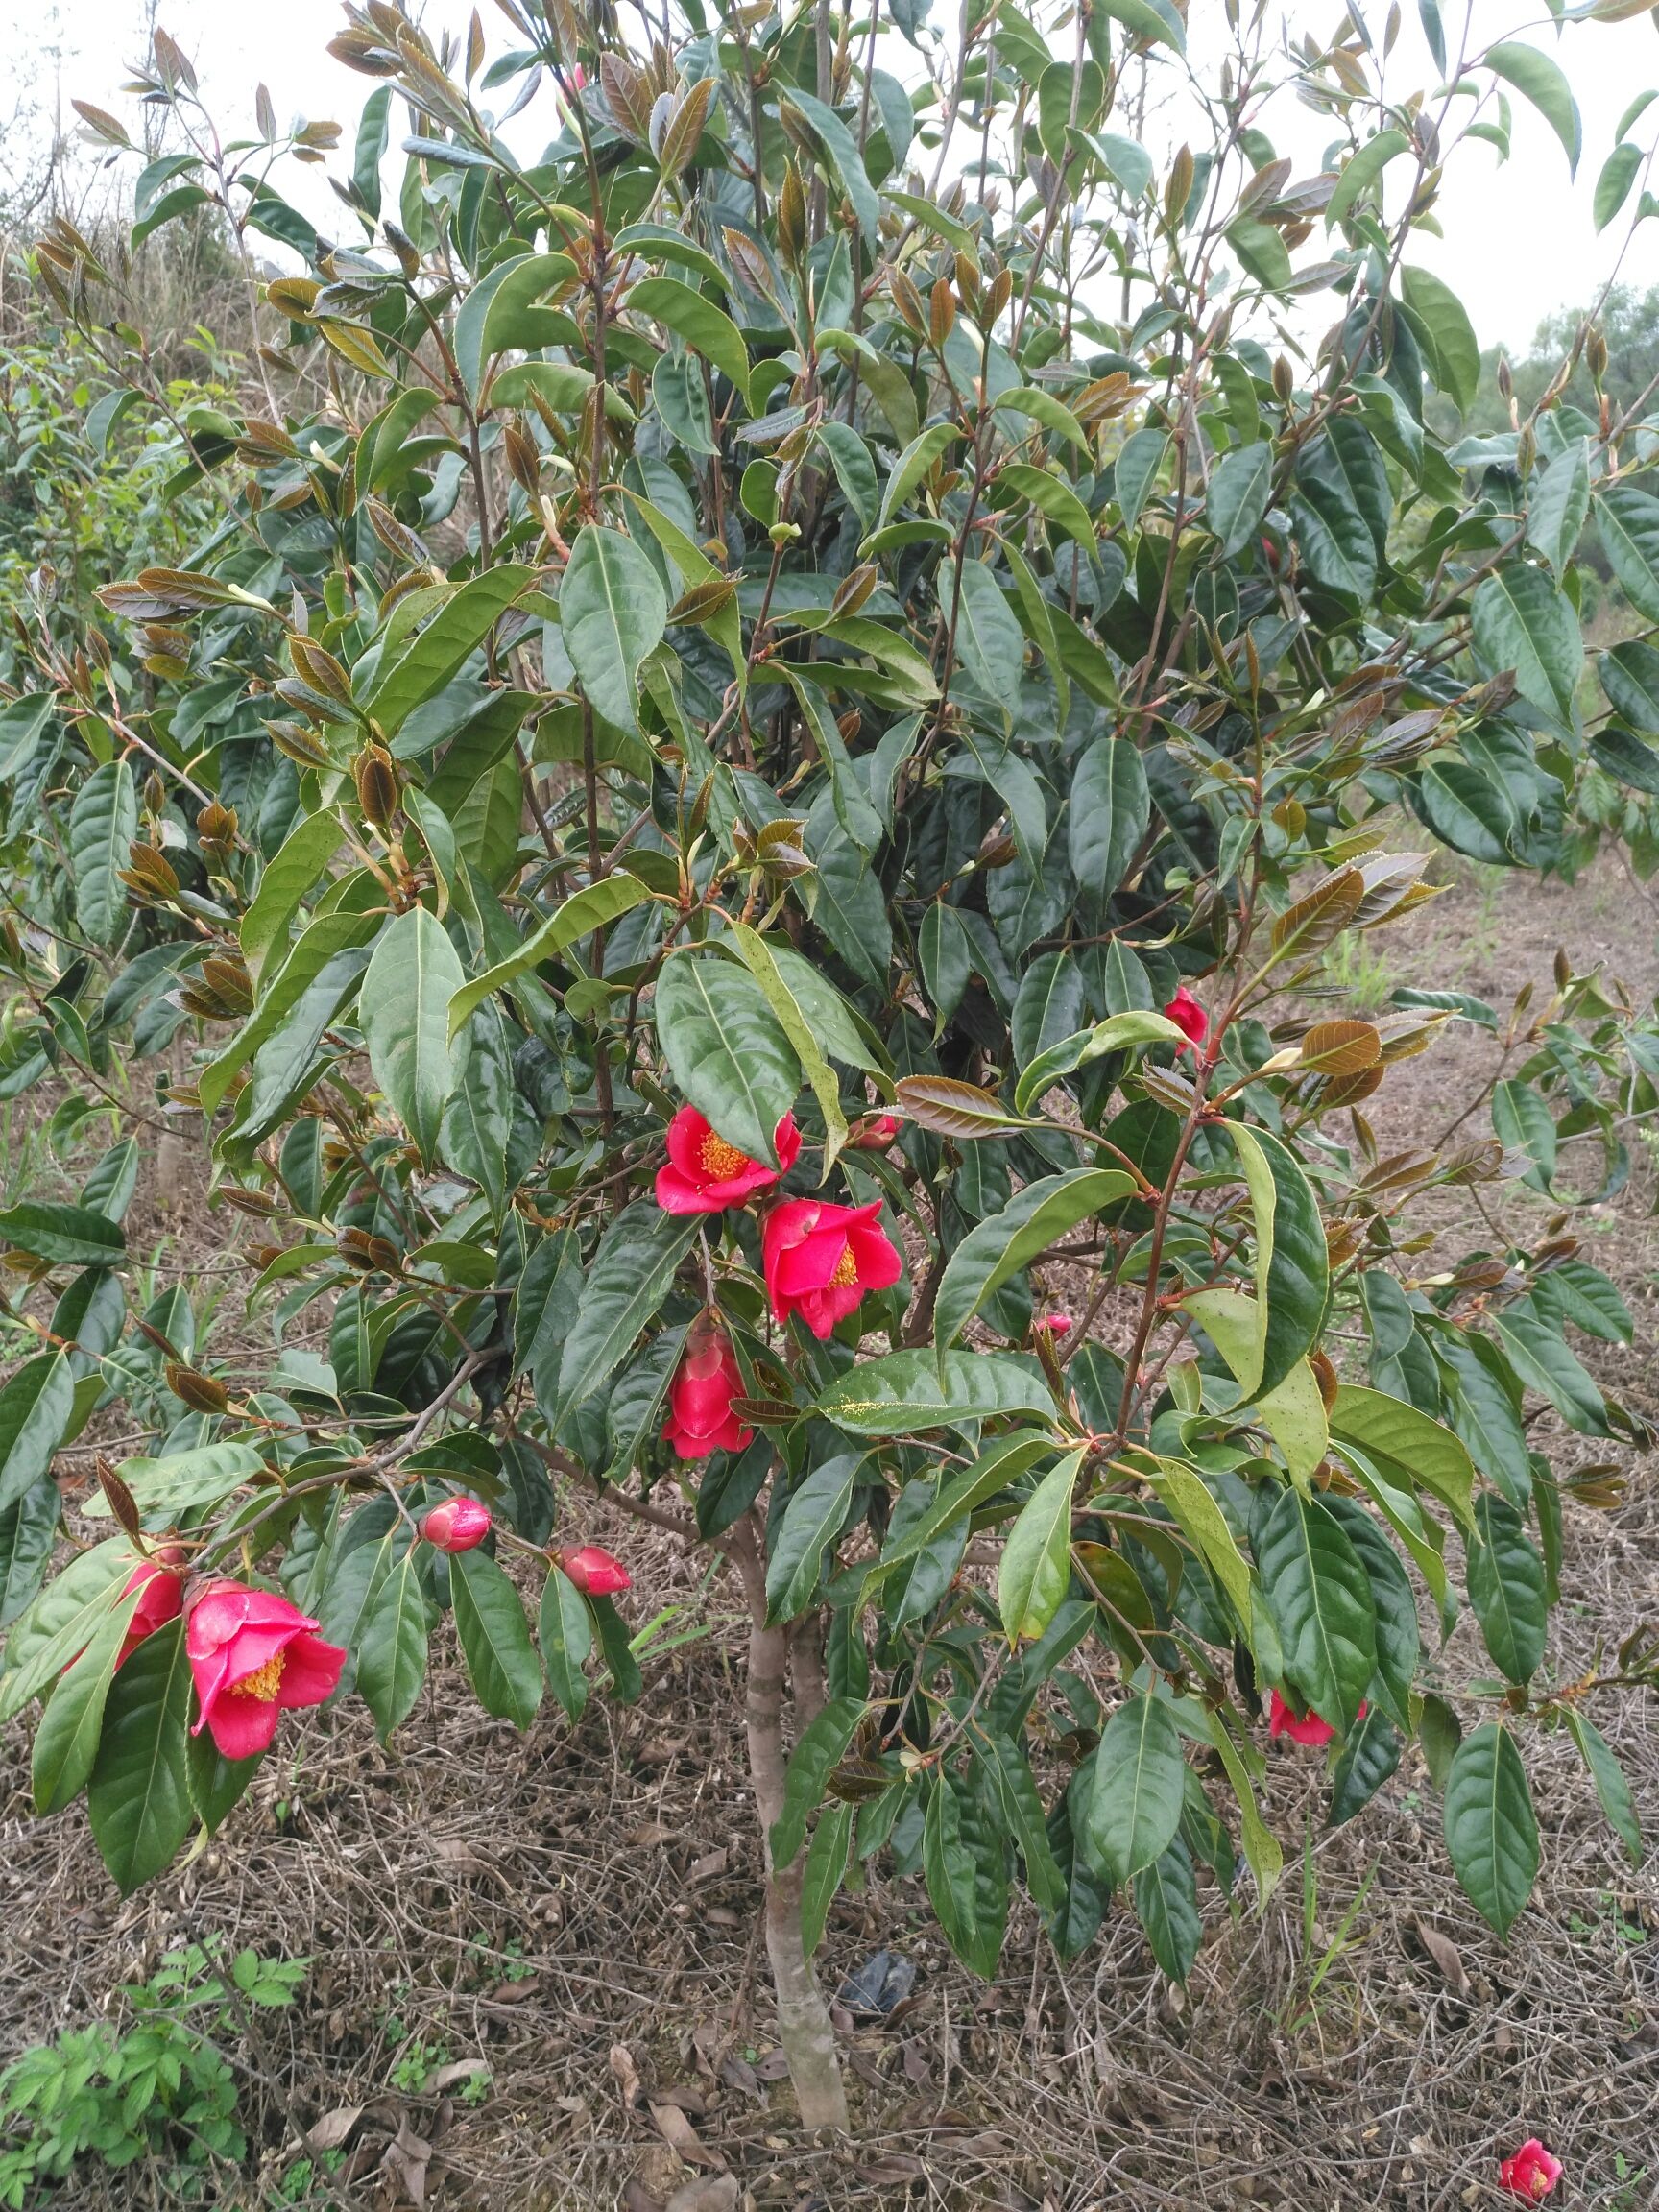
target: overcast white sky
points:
(1520, 240)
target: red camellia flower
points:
(252, 1654)
(1300, 1727)
(163, 1600)
(820, 1260)
(457, 1525)
(1532, 2172)
(875, 1133)
(705, 1174)
(1189, 1017)
(595, 1572)
(1051, 1325)
(700, 1416)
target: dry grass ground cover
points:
(581, 1930)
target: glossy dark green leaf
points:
(1612, 1786)
(822, 1746)
(1491, 1832)
(139, 1795)
(612, 613)
(34, 1409)
(728, 1050)
(1507, 1589)
(1321, 1595)
(1167, 1906)
(411, 978)
(813, 1520)
(995, 1250)
(623, 1290)
(495, 1638)
(103, 823)
(906, 1392)
(1366, 1761)
(1140, 1785)
(567, 1629)
(392, 1646)
(1109, 811)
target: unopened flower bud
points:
(458, 1524)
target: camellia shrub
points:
(728, 831)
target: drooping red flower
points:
(1053, 1326)
(457, 1525)
(162, 1585)
(820, 1260)
(1189, 1017)
(1301, 1727)
(705, 1174)
(252, 1655)
(700, 1416)
(1531, 2172)
(874, 1133)
(595, 1572)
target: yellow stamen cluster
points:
(721, 1161)
(264, 1682)
(846, 1270)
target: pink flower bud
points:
(1189, 1017)
(1052, 1325)
(455, 1526)
(595, 1572)
(874, 1133)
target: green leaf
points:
(1159, 26)
(729, 1052)
(34, 1409)
(103, 823)
(989, 638)
(1440, 315)
(567, 1628)
(164, 1489)
(906, 1392)
(1013, 1792)
(1001, 1247)
(1166, 1907)
(964, 1863)
(1035, 1569)
(216, 1783)
(1412, 1450)
(1184, 1490)
(1544, 1364)
(1608, 1776)
(826, 1870)
(797, 1025)
(627, 1683)
(708, 330)
(1491, 1832)
(842, 149)
(1291, 1266)
(1631, 678)
(1052, 498)
(813, 1520)
(1117, 1033)
(624, 1290)
(392, 1646)
(435, 656)
(591, 909)
(999, 1464)
(1237, 502)
(1618, 172)
(61, 1621)
(1368, 1758)
(501, 313)
(66, 1741)
(1559, 505)
(1135, 471)
(28, 1533)
(1523, 1123)
(612, 613)
(479, 1120)
(1543, 81)
(1520, 621)
(1393, 1599)
(1361, 170)
(64, 1235)
(912, 465)
(1109, 811)
(287, 877)
(1320, 1597)
(1629, 523)
(1140, 1786)
(495, 1638)
(815, 1758)
(1506, 1589)
(1030, 400)
(404, 1012)
(139, 1795)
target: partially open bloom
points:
(1300, 1727)
(820, 1260)
(252, 1655)
(1532, 2172)
(457, 1525)
(595, 1572)
(875, 1132)
(700, 1416)
(1053, 1326)
(163, 1599)
(705, 1174)
(1189, 1017)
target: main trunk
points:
(803, 2026)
